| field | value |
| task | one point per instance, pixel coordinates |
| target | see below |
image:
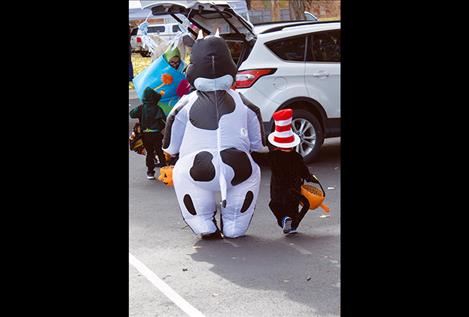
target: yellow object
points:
(166, 175)
(314, 196)
(138, 144)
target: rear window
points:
(175, 28)
(290, 49)
(156, 29)
(134, 31)
(326, 47)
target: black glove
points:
(312, 179)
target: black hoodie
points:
(288, 173)
(149, 113)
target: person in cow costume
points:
(214, 129)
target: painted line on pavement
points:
(164, 288)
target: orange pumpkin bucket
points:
(314, 195)
(166, 175)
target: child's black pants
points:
(288, 206)
(153, 141)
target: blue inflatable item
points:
(163, 78)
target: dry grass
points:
(139, 63)
(330, 19)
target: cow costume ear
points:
(201, 35)
(217, 33)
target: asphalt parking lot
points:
(264, 273)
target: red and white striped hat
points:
(283, 135)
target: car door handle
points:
(321, 74)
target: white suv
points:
(281, 65)
(296, 66)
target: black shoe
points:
(160, 165)
(150, 175)
(212, 236)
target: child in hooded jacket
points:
(152, 120)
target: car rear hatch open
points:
(208, 16)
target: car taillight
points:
(247, 78)
(139, 40)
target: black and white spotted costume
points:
(213, 131)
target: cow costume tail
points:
(223, 186)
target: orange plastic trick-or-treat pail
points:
(315, 197)
(166, 175)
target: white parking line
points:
(164, 288)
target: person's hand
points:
(167, 156)
(264, 149)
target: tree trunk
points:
(298, 7)
(275, 5)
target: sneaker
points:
(150, 175)
(286, 224)
(212, 236)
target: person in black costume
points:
(288, 174)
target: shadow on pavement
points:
(298, 270)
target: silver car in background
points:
(165, 31)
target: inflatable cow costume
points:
(214, 131)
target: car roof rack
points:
(278, 22)
(281, 27)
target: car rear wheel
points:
(308, 128)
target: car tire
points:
(307, 126)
